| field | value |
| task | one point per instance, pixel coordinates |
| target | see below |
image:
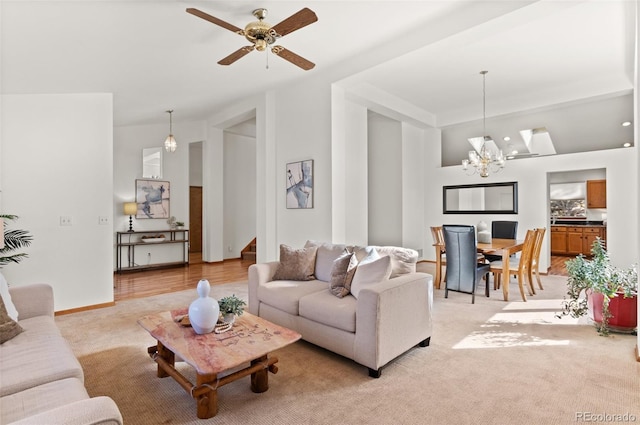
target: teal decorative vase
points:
(204, 311)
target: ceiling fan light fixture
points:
(262, 34)
(261, 44)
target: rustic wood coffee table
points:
(246, 345)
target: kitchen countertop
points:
(570, 223)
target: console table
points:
(128, 241)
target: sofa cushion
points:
(38, 355)
(344, 267)
(323, 307)
(325, 256)
(296, 264)
(285, 294)
(370, 272)
(9, 328)
(41, 398)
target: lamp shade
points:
(130, 208)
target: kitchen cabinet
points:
(558, 240)
(596, 194)
(574, 240)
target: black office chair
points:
(463, 270)
(502, 230)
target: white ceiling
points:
(153, 56)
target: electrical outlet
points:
(103, 220)
(65, 220)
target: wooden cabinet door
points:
(589, 235)
(574, 240)
(558, 240)
(596, 194)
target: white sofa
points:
(41, 381)
(388, 317)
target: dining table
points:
(506, 247)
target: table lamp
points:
(130, 209)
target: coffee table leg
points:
(168, 356)
(207, 399)
(260, 379)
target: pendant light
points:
(170, 144)
(482, 161)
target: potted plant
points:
(610, 293)
(12, 240)
(179, 225)
(230, 307)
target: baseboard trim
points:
(86, 308)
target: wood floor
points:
(557, 265)
(152, 282)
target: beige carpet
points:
(494, 362)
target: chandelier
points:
(170, 144)
(482, 160)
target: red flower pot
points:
(624, 311)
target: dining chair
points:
(502, 230)
(535, 256)
(441, 256)
(438, 243)
(463, 271)
(519, 266)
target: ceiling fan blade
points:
(236, 55)
(293, 58)
(296, 21)
(214, 20)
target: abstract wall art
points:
(152, 197)
(299, 177)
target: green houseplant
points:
(602, 284)
(231, 305)
(13, 240)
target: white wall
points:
(128, 144)
(195, 164)
(57, 160)
(239, 199)
(303, 131)
(384, 182)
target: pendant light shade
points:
(170, 143)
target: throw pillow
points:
(9, 328)
(403, 260)
(368, 273)
(344, 267)
(296, 264)
(6, 297)
(325, 256)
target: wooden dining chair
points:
(519, 266)
(438, 243)
(535, 256)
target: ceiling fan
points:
(261, 34)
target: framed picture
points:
(300, 184)
(152, 197)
